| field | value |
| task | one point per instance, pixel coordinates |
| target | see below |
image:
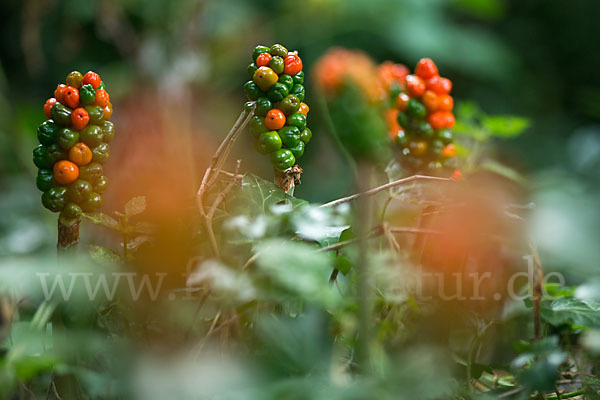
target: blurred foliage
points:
(264, 322)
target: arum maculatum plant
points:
(74, 143)
(425, 121)
(276, 93)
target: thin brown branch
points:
(378, 231)
(213, 171)
(224, 193)
(389, 185)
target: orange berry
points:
(102, 98)
(426, 68)
(430, 100)
(439, 85)
(71, 97)
(449, 151)
(391, 118)
(263, 60)
(59, 93)
(415, 85)
(441, 119)
(445, 102)
(48, 106)
(292, 64)
(108, 110)
(92, 78)
(456, 175)
(303, 109)
(275, 119)
(65, 172)
(402, 101)
(79, 118)
(80, 154)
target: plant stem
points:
(389, 185)
(537, 291)
(68, 237)
(567, 395)
(214, 169)
(362, 265)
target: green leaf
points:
(506, 126)
(569, 310)
(135, 206)
(28, 367)
(104, 220)
(257, 196)
(343, 264)
(103, 255)
(297, 268)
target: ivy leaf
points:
(297, 268)
(506, 126)
(257, 196)
(103, 255)
(135, 206)
(104, 220)
(569, 310)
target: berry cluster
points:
(425, 121)
(276, 92)
(74, 145)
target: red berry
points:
(48, 106)
(102, 98)
(79, 118)
(92, 78)
(59, 93)
(439, 85)
(426, 68)
(415, 86)
(263, 60)
(71, 97)
(441, 119)
(456, 175)
(292, 64)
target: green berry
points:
(54, 199)
(61, 114)
(282, 159)
(47, 132)
(277, 92)
(298, 150)
(91, 135)
(289, 105)
(263, 105)
(258, 50)
(45, 180)
(278, 50)
(298, 120)
(67, 138)
(268, 142)
(87, 94)
(290, 136)
(96, 114)
(298, 78)
(101, 153)
(306, 135)
(41, 158)
(287, 81)
(298, 91)
(257, 126)
(252, 90)
(276, 64)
